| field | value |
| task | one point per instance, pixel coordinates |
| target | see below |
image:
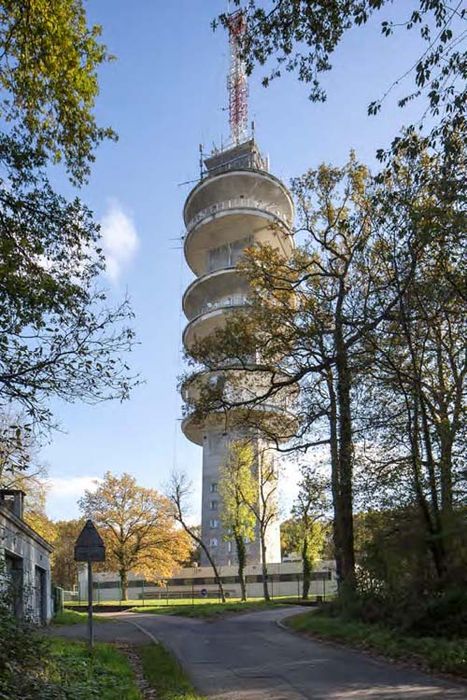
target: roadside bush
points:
(34, 667)
(23, 660)
(397, 585)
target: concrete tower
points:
(236, 204)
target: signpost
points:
(89, 547)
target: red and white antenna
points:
(237, 83)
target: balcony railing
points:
(208, 307)
(234, 300)
(238, 203)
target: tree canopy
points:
(237, 489)
(49, 58)
(137, 527)
(58, 337)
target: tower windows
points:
(214, 523)
(213, 487)
(214, 505)
(227, 255)
(213, 542)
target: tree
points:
(137, 527)
(237, 489)
(259, 495)
(419, 362)
(178, 492)
(290, 542)
(20, 465)
(58, 339)
(48, 75)
(16, 442)
(302, 36)
(20, 468)
(64, 566)
(308, 510)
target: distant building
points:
(25, 560)
(198, 582)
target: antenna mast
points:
(237, 84)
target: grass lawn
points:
(165, 675)
(106, 675)
(209, 609)
(72, 617)
(170, 602)
(199, 607)
(436, 654)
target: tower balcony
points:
(221, 288)
(256, 185)
(270, 420)
(240, 203)
(233, 225)
(239, 386)
(211, 318)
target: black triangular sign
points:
(89, 546)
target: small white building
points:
(25, 560)
(285, 580)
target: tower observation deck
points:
(236, 204)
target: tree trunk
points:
(345, 464)
(306, 569)
(426, 511)
(200, 542)
(264, 567)
(124, 583)
(241, 557)
(214, 568)
(335, 488)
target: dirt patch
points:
(133, 657)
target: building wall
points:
(285, 579)
(26, 557)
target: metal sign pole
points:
(90, 625)
(90, 547)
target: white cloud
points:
(73, 485)
(119, 239)
(64, 492)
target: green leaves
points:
(48, 73)
(57, 339)
(301, 37)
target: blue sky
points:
(164, 95)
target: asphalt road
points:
(249, 657)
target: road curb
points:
(285, 627)
(144, 631)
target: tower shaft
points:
(236, 205)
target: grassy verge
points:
(106, 675)
(435, 654)
(171, 602)
(209, 610)
(165, 675)
(71, 617)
